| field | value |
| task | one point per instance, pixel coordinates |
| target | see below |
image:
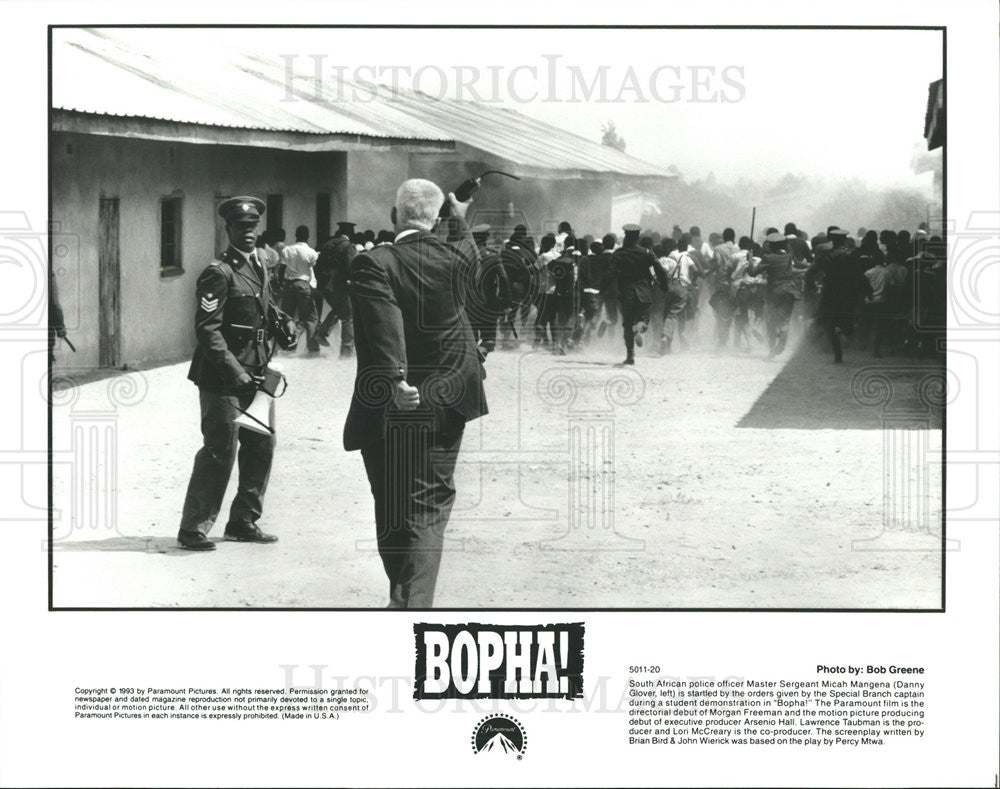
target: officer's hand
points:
(61, 332)
(406, 397)
(458, 209)
(245, 381)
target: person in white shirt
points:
(546, 289)
(723, 299)
(565, 229)
(749, 294)
(297, 298)
(877, 307)
(679, 266)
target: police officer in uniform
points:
(517, 258)
(333, 267)
(490, 297)
(843, 284)
(782, 290)
(234, 322)
(634, 266)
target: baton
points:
(69, 343)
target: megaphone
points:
(259, 417)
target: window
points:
(322, 217)
(170, 236)
(275, 212)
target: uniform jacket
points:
(517, 261)
(632, 268)
(561, 274)
(410, 322)
(801, 253)
(843, 283)
(230, 322)
(333, 264)
(777, 268)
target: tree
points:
(610, 137)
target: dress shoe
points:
(248, 532)
(322, 340)
(346, 352)
(628, 361)
(194, 541)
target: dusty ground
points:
(696, 480)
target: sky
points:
(736, 103)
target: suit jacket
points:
(230, 322)
(409, 302)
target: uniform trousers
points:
(213, 464)
(633, 311)
(778, 315)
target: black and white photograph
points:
(440, 394)
(553, 325)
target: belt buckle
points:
(260, 336)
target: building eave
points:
(137, 127)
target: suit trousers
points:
(411, 472)
(214, 463)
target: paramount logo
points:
(499, 734)
(499, 742)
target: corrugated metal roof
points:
(134, 73)
(528, 142)
(99, 71)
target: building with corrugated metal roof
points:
(147, 139)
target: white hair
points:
(418, 202)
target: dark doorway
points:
(274, 215)
(109, 276)
(322, 217)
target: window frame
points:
(176, 268)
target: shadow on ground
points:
(863, 393)
(134, 544)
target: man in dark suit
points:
(419, 380)
(233, 327)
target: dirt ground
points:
(694, 480)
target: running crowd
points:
(885, 290)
